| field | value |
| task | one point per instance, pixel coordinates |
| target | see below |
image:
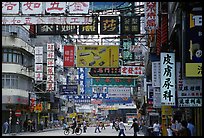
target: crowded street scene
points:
(102, 69)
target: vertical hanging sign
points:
(167, 63)
(50, 66)
(81, 80)
(38, 63)
(68, 56)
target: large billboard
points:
(97, 56)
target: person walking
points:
(122, 128)
(156, 128)
(169, 131)
(103, 126)
(135, 126)
(84, 126)
(5, 127)
(97, 126)
(191, 127)
(184, 131)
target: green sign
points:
(113, 82)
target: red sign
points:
(18, 113)
(68, 56)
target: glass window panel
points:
(5, 57)
(14, 58)
(12, 83)
(20, 59)
(10, 57)
(7, 83)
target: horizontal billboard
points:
(113, 82)
(68, 89)
(97, 56)
(117, 100)
(119, 91)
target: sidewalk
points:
(39, 131)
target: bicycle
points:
(77, 130)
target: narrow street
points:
(90, 132)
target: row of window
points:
(16, 81)
(16, 56)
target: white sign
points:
(74, 20)
(50, 86)
(156, 74)
(38, 58)
(50, 66)
(38, 76)
(10, 7)
(55, 7)
(38, 50)
(38, 67)
(167, 63)
(132, 70)
(119, 92)
(38, 63)
(31, 7)
(78, 7)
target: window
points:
(5, 58)
(10, 57)
(15, 56)
(15, 81)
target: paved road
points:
(90, 132)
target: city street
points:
(90, 132)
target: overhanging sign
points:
(71, 20)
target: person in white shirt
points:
(156, 128)
(122, 128)
(169, 131)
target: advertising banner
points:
(113, 82)
(68, 56)
(97, 56)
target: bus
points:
(130, 117)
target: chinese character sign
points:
(81, 73)
(167, 63)
(133, 70)
(10, 7)
(130, 25)
(109, 25)
(31, 7)
(91, 29)
(68, 56)
(78, 7)
(151, 12)
(55, 7)
(38, 63)
(50, 66)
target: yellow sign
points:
(97, 56)
(193, 69)
(166, 110)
